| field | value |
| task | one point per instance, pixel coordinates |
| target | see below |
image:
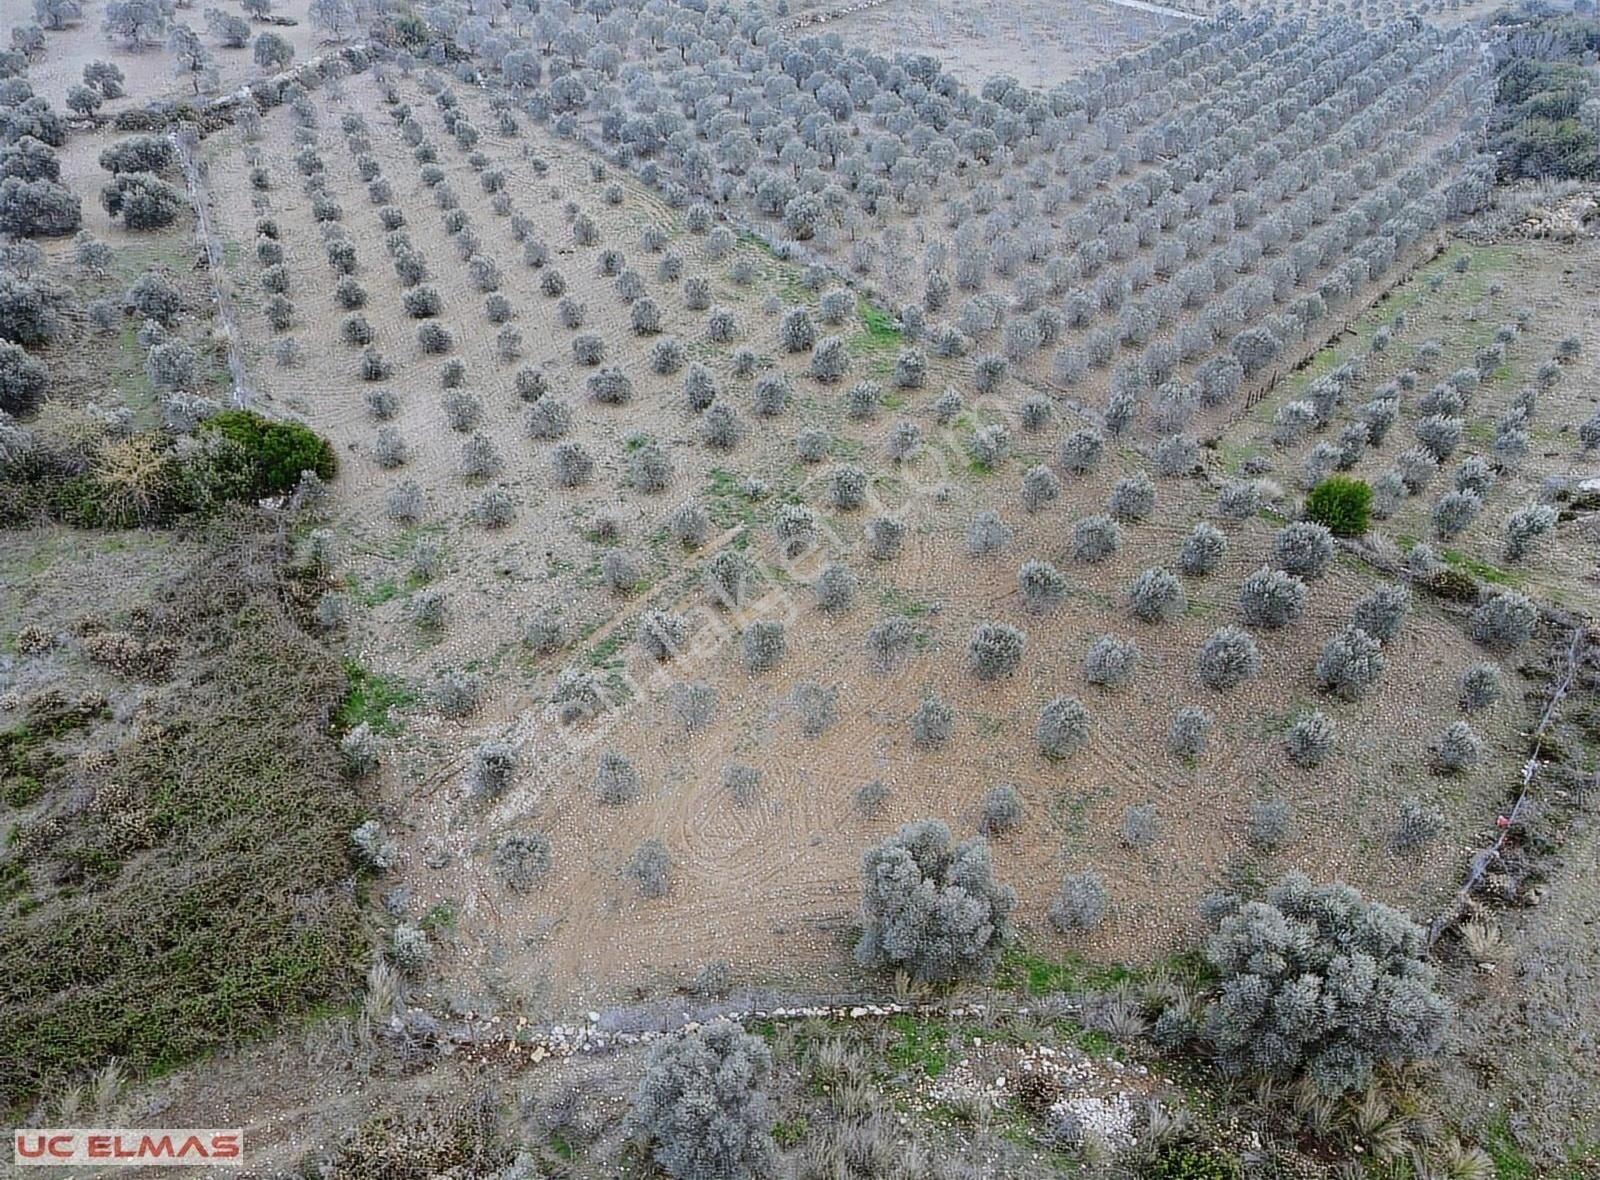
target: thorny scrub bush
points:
(238, 915)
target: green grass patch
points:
(440, 918)
(370, 699)
(727, 505)
(919, 1044)
(1478, 568)
(787, 1133)
(1031, 972)
(903, 602)
(1509, 1161)
(604, 654)
(238, 915)
(879, 339)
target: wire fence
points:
(216, 265)
(1506, 825)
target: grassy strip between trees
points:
(231, 906)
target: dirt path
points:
(194, 178)
(1157, 9)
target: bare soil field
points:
(728, 446)
(585, 937)
(150, 71)
(1040, 44)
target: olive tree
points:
(933, 910)
(702, 1104)
(1319, 983)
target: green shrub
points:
(1185, 1161)
(1342, 504)
(277, 451)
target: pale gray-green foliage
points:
(1457, 748)
(932, 722)
(847, 487)
(1190, 731)
(884, 537)
(995, 650)
(1475, 475)
(1081, 451)
(426, 608)
(649, 467)
(375, 849)
(1453, 512)
(771, 394)
(989, 445)
(1271, 598)
(1319, 983)
(871, 796)
(1440, 435)
(577, 694)
(521, 860)
(795, 527)
(904, 438)
(1303, 548)
(1416, 468)
(1381, 612)
(1310, 739)
(729, 578)
(171, 365)
(1063, 727)
(456, 694)
(765, 645)
(1155, 596)
(835, 588)
(545, 632)
(1111, 662)
(408, 949)
(1081, 904)
(889, 641)
(1525, 526)
(620, 570)
(1504, 622)
(1350, 664)
(1042, 586)
(689, 524)
(816, 706)
(1202, 550)
(616, 779)
(811, 445)
(693, 703)
(1140, 825)
(1039, 487)
(1001, 809)
(720, 427)
(1095, 538)
(1177, 455)
(702, 1103)
(987, 534)
(662, 634)
(1133, 498)
(650, 869)
(1416, 824)
(493, 764)
(479, 458)
(742, 782)
(863, 400)
(361, 750)
(830, 359)
(1269, 823)
(934, 910)
(1480, 687)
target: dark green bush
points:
(1185, 1161)
(277, 451)
(1342, 504)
